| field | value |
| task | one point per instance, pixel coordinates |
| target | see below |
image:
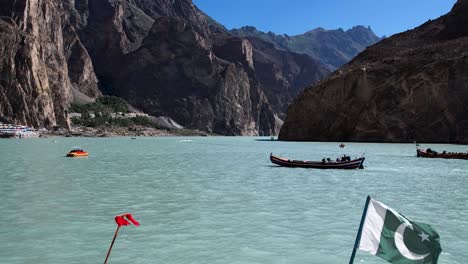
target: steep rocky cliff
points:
(282, 74)
(169, 58)
(192, 85)
(42, 63)
(165, 57)
(333, 48)
(411, 86)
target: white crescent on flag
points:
(400, 244)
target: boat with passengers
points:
(429, 153)
(344, 163)
(77, 152)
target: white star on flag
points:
(424, 237)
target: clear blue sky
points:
(386, 17)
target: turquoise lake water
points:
(217, 200)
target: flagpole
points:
(358, 237)
(112, 244)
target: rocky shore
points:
(115, 131)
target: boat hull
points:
(424, 154)
(77, 154)
(353, 164)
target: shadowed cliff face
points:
(163, 62)
(283, 75)
(116, 28)
(168, 58)
(411, 86)
(38, 43)
(192, 84)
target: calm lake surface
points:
(216, 200)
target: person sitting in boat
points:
(328, 160)
(323, 161)
(337, 159)
(345, 158)
(430, 151)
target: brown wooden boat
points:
(441, 155)
(350, 164)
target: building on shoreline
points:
(17, 131)
(114, 115)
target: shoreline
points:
(113, 131)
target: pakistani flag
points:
(395, 238)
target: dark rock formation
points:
(37, 44)
(177, 62)
(331, 47)
(411, 86)
(282, 74)
(192, 85)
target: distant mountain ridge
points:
(331, 47)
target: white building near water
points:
(17, 131)
(112, 115)
(77, 115)
(130, 115)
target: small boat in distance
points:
(77, 152)
(346, 163)
(429, 153)
(342, 145)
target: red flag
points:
(121, 221)
(131, 219)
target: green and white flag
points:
(393, 237)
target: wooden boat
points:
(77, 152)
(350, 164)
(441, 155)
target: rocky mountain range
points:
(333, 48)
(165, 57)
(411, 86)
